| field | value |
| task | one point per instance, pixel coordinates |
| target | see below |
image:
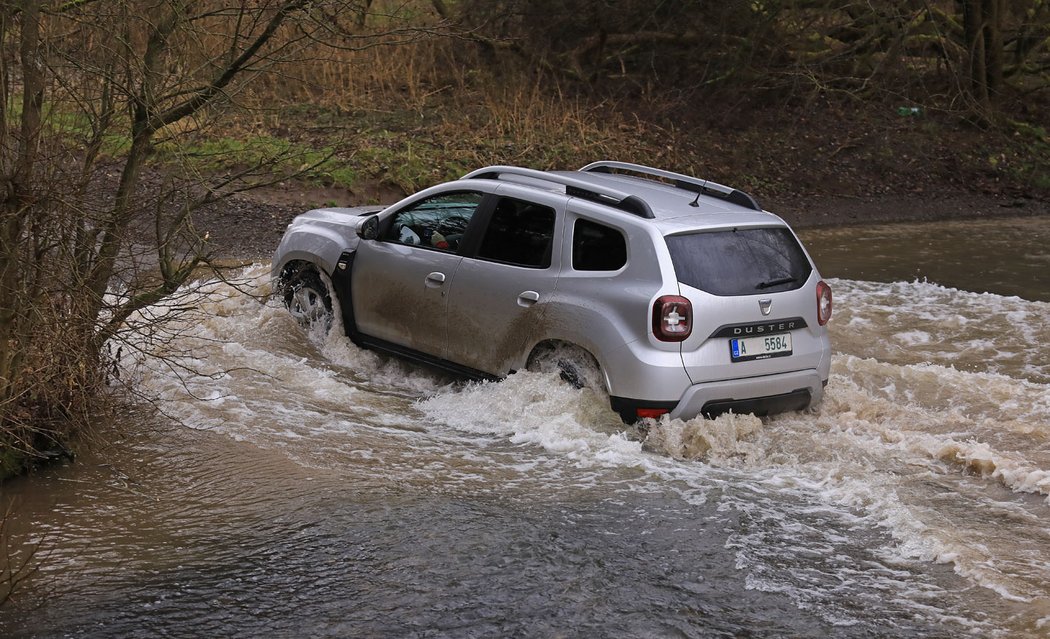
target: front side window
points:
(519, 233)
(747, 261)
(437, 222)
(596, 247)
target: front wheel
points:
(307, 298)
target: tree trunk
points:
(992, 11)
(15, 300)
(973, 29)
(983, 32)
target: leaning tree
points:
(89, 90)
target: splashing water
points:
(919, 430)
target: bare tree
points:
(88, 90)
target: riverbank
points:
(819, 164)
(832, 210)
(248, 227)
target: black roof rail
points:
(680, 181)
(574, 187)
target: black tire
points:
(307, 297)
(575, 366)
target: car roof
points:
(679, 207)
(671, 201)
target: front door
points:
(400, 282)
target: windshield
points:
(740, 261)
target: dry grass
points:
(407, 116)
(407, 110)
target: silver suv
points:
(681, 296)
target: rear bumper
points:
(795, 400)
(765, 395)
(759, 395)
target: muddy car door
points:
(400, 281)
(501, 290)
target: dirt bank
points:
(832, 210)
(249, 227)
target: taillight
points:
(672, 318)
(823, 303)
(651, 413)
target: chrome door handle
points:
(435, 279)
(528, 298)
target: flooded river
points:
(308, 488)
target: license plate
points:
(748, 348)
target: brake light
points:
(651, 413)
(823, 303)
(672, 318)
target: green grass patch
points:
(64, 121)
(263, 154)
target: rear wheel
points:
(580, 369)
(307, 297)
(576, 366)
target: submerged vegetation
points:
(123, 118)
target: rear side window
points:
(519, 233)
(739, 261)
(596, 247)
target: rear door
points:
(501, 290)
(400, 282)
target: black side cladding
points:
(341, 281)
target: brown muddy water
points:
(307, 488)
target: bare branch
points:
(206, 94)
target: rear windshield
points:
(739, 261)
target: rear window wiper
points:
(776, 282)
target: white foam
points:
(868, 447)
(531, 408)
(913, 338)
(914, 322)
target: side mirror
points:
(368, 228)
